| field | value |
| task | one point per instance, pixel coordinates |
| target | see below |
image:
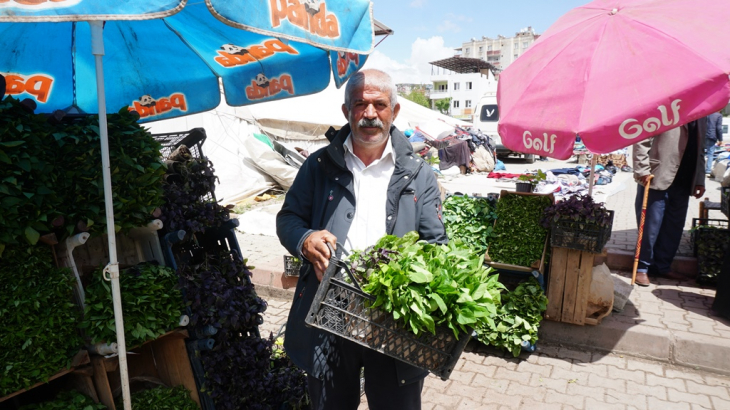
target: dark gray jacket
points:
(322, 197)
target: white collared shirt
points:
(370, 184)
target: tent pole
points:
(594, 160)
(111, 271)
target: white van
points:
(486, 119)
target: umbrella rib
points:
(589, 70)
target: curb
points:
(617, 259)
(702, 352)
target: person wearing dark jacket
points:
(713, 137)
(366, 183)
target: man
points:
(676, 161)
(366, 183)
(712, 137)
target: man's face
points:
(370, 115)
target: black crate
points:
(725, 201)
(699, 224)
(192, 139)
(580, 236)
(291, 265)
(710, 239)
(341, 308)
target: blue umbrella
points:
(167, 58)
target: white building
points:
(500, 51)
(464, 80)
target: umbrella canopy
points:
(616, 72)
(164, 67)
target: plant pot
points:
(523, 187)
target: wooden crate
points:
(569, 284)
(78, 374)
(163, 360)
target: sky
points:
(429, 30)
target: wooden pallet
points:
(164, 359)
(569, 284)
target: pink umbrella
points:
(616, 72)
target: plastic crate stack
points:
(181, 249)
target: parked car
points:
(486, 119)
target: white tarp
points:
(246, 166)
(230, 146)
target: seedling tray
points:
(340, 307)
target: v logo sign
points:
(490, 113)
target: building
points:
(500, 51)
(464, 80)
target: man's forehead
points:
(369, 93)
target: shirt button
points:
(390, 217)
(402, 382)
(405, 177)
(337, 178)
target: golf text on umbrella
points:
(310, 15)
(37, 85)
(344, 60)
(651, 124)
(538, 144)
(149, 107)
(231, 55)
(262, 87)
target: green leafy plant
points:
(51, 178)
(427, 285)
(162, 398)
(443, 105)
(418, 97)
(469, 219)
(38, 318)
(151, 303)
(533, 178)
(517, 319)
(518, 238)
(67, 400)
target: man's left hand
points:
(698, 191)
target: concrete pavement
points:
(555, 377)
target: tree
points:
(418, 97)
(443, 105)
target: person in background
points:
(713, 138)
(366, 183)
(675, 159)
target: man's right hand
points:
(644, 179)
(316, 251)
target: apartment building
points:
(464, 80)
(500, 51)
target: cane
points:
(641, 228)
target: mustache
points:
(374, 122)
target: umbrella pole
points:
(111, 271)
(594, 160)
(641, 229)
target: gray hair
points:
(376, 78)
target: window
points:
(468, 85)
(481, 49)
(525, 44)
(456, 103)
(467, 51)
(489, 113)
(467, 104)
(456, 86)
(489, 48)
(443, 87)
(516, 55)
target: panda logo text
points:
(147, 106)
(231, 55)
(310, 15)
(263, 87)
